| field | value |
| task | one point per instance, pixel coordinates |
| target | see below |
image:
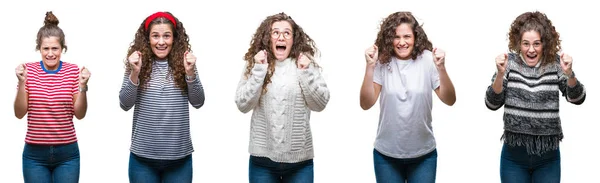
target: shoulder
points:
(70, 68)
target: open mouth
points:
(280, 48)
(161, 48)
(531, 56)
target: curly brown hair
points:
(175, 58)
(50, 29)
(538, 22)
(387, 33)
(262, 41)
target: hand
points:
(439, 58)
(189, 62)
(84, 76)
(566, 63)
(502, 62)
(261, 57)
(21, 72)
(135, 61)
(303, 61)
(371, 55)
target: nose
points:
(280, 37)
(531, 49)
(50, 53)
(161, 41)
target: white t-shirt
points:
(405, 101)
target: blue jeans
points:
(411, 170)
(145, 170)
(51, 163)
(264, 170)
(517, 166)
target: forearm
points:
(128, 93)
(367, 90)
(314, 88)
(21, 100)
(195, 91)
(447, 92)
(80, 106)
(249, 89)
(498, 83)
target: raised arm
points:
(369, 91)
(494, 96)
(22, 98)
(313, 85)
(570, 87)
(445, 91)
(129, 88)
(249, 88)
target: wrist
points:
(83, 88)
(569, 73)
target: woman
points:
(527, 83)
(404, 68)
(50, 92)
(160, 79)
(282, 84)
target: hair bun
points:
(50, 19)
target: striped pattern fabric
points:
(50, 103)
(280, 123)
(530, 98)
(161, 122)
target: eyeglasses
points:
(528, 45)
(286, 34)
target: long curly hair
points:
(175, 57)
(538, 22)
(50, 29)
(262, 41)
(387, 33)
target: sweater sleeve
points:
(494, 100)
(249, 89)
(575, 94)
(314, 88)
(195, 91)
(128, 93)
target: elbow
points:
(200, 104)
(451, 102)
(365, 106)
(80, 117)
(19, 115)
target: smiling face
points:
(531, 47)
(51, 50)
(404, 41)
(282, 39)
(161, 40)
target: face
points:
(404, 41)
(161, 40)
(282, 39)
(50, 50)
(531, 47)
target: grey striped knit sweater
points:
(530, 96)
(280, 128)
(161, 121)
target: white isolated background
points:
(98, 34)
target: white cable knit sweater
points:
(280, 128)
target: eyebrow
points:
(283, 29)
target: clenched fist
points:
(303, 61)
(371, 55)
(261, 57)
(189, 62)
(135, 61)
(21, 72)
(502, 63)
